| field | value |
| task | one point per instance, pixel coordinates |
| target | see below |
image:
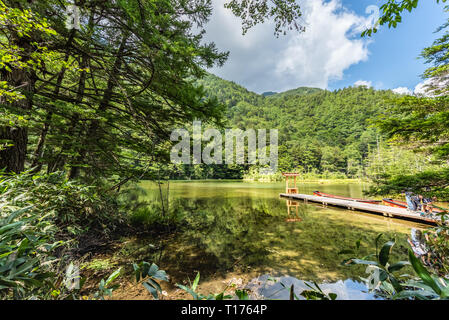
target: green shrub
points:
(75, 208)
(385, 281)
(35, 212)
(26, 248)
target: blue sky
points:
(393, 55)
(330, 54)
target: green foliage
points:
(391, 160)
(437, 240)
(322, 131)
(21, 24)
(29, 263)
(240, 294)
(326, 131)
(295, 92)
(156, 217)
(74, 207)
(285, 13)
(421, 123)
(384, 282)
(394, 169)
(392, 11)
(228, 93)
(37, 214)
(150, 275)
(382, 277)
(429, 182)
(315, 293)
(192, 290)
(26, 249)
(106, 287)
(437, 56)
(427, 287)
(418, 121)
(97, 264)
(123, 83)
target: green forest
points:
(322, 134)
(320, 131)
(87, 106)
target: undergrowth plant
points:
(385, 282)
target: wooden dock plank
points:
(366, 207)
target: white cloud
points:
(363, 83)
(420, 88)
(262, 62)
(403, 90)
(432, 87)
(424, 88)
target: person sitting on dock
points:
(431, 202)
(426, 204)
(418, 244)
(409, 198)
(417, 200)
(421, 243)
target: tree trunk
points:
(91, 134)
(12, 158)
(38, 152)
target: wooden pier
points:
(378, 209)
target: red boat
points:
(403, 204)
(322, 194)
(395, 203)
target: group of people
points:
(419, 203)
(419, 243)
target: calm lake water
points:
(243, 228)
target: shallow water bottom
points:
(245, 230)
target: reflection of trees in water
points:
(219, 233)
(278, 288)
(228, 232)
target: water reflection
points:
(243, 227)
(295, 205)
(278, 288)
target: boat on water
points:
(322, 194)
(394, 203)
(364, 205)
(403, 205)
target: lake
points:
(241, 231)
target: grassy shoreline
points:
(311, 180)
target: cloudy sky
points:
(330, 54)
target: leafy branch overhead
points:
(285, 13)
(392, 12)
(421, 123)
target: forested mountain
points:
(228, 92)
(295, 92)
(319, 130)
(90, 92)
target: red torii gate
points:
(289, 190)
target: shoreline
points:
(314, 180)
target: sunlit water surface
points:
(244, 228)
